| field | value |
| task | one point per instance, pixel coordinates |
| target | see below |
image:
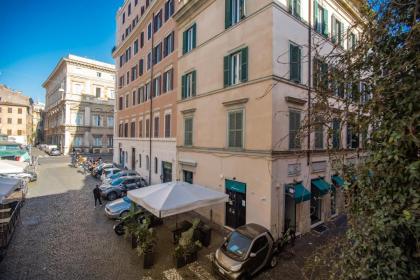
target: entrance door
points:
(236, 206)
(290, 213)
(121, 157)
(166, 171)
(133, 158)
(315, 205)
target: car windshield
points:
(117, 175)
(237, 244)
(116, 181)
(126, 199)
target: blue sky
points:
(35, 34)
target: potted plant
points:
(189, 243)
(146, 242)
(179, 257)
(131, 225)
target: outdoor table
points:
(183, 226)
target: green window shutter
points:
(325, 22)
(341, 34)
(299, 55)
(297, 8)
(183, 90)
(226, 71)
(184, 42)
(316, 15)
(244, 64)
(333, 31)
(193, 83)
(294, 63)
(228, 12)
(324, 71)
(289, 4)
(194, 36)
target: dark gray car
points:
(120, 186)
(246, 251)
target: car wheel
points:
(119, 229)
(111, 196)
(124, 214)
(273, 261)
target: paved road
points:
(62, 236)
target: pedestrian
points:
(97, 195)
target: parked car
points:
(54, 152)
(123, 173)
(139, 216)
(119, 208)
(245, 251)
(49, 148)
(97, 171)
(109, 172)
(120, 186)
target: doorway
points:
(166, 171)
(236, 206)
(133, 158)
(121, 157)
(188, 176)
(316, 201)
(290, 213)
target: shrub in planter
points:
(147, 242)
(179, 257)
(190, 244)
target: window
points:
(110, 141)
(169, 9)
(19, 132)
(98, 74)
(134, 73)
(136, 2)
(9, 120)
(128, 77)
(294, 7)
(156, 165)
(126, 130)
(97, 120)
(78, 118)
(142, 39)
(141, 67)
(336, 131)
(320, 19)
(188, 131)
(157, 21)
(127, 97)
(134, 97)
(319, 135)
(188, 176)
(294, 126)
(136, 46)
(147, 90)
(149, 31)
(140, 95)
(19, 110)
(140, 129)
(149, 60)
(147, 128)
(168, 80)
(337, 31)
(97, 141)
(168, 44)
(234, 12)
(189, 39)
(112, 94)
(157, 53)
(128, 54)
(295, 63)
(78, 141)
(110, 121)
(19, 121)
(156, 86)
(133, 130)
(351, 41)
(147, 163)
(235, 129)
(120, 103)
(352, 138)
(167, 126)
(156, 127)
(98, 92)
(9, 132)
(139, 160)
(121, 83)
(320, 77)
(129, 9)
(235, 67)
(189, 85)
(9, 110)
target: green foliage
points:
(188, 242)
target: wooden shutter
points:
(316, 15)
(244, 64)
(183, 90)
(294, 63)
(341, 34)
(228, 13)
(193, 83)
(226, 71)
(184, 42)
(325, 22)
(297, 8)
(194, 35)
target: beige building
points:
(38, 122)
(15, 115)
(79, 109)
(243, 75)
(145, 54)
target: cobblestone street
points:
(62, 236)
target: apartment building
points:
(79, 109)
(15, 115)
(145, 55)
(244, 84)
(38, 122)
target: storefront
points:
(295, 195)
(319, 188)
(236, 206)
(166, 171)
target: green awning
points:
(300, 193)
(322, 186)
(338, 180)
(235, 186)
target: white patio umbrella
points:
(173, 198)
(11, 166)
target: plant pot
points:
(179, 261)
(191, 257)
(205, 236)
(148, 259)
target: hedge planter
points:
(179, 261)
(148, 259)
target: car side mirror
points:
(252, 255)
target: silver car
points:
(123, 173)
(120, 186)
(109, 172)
(118, 208)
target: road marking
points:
(172, 274)
(200, 271)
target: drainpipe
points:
(308, 152)
(151, 103)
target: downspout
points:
(308, 152)
(151, 104)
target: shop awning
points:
(300, 193)
(338, 180)
(322, 186)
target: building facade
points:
(145, 55)
(244, 83)
(79, 109)
(15, 115)
(38, 122)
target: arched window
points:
(156, 165)
(147, 163)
